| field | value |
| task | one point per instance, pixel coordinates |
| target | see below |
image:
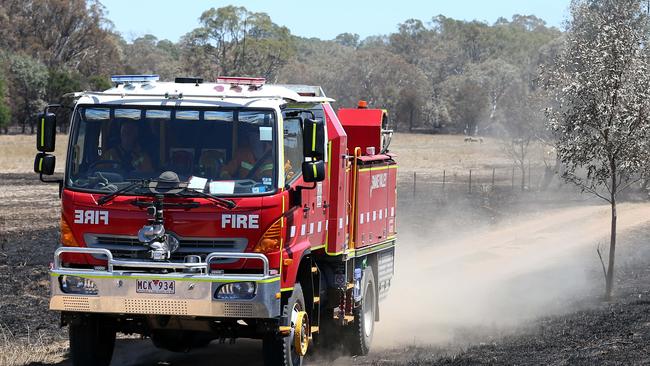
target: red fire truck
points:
(195, 211)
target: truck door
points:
(317, 214)
(310, 221)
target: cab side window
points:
(293, 156)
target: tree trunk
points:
(522, 167)
(609, 280)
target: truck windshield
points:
(220, 151)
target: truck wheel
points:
(363, 327)
(282, 351)
(329, 335)
(174, 340)
(91, 342)
(329, 342)
(179, 341)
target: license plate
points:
(155, 287)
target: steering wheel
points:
(114, 163)
(246, 182)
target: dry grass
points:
(16, 351)
(17, 153)
(416, 152)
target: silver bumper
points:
(194, 292)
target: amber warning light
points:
(256, 82)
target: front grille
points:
(74, 303)
(238, 309)
(129, 247)
(155, 306)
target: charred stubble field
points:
(29, 216)
(477, 282)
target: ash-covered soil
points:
(29, 219)
(588, 331)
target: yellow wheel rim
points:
(301, 334)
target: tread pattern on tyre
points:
(91, 343)
(359, 346)
(275, 348)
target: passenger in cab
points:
(253, 157)
(129, 154)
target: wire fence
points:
(477, 181)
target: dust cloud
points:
(491, 281)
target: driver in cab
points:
(253, 158)
(128, 154)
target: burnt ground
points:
(616, 332)
(602, 333)
(29, 218)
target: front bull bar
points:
(203, 266)
(194, 293)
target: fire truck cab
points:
(193, 212)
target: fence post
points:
(470, 181)
(414, 182)
(513, 177)
(493, 178)
(444, 173)
(530, 182)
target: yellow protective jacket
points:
(244, 165)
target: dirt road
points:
(485, 283)
(498, 278)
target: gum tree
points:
(600, 86)
(521, 124)
(239, 42)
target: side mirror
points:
(313, 171)
(313, 137)
(46, 132)
(44, 164)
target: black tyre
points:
(329, 342)
(329, 335)
(281, 351)
(92, 341)
(361, 331)
(179, 341)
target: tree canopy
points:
(600, 87)
(439, 74)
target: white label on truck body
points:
(378, 181)
(239, 221)
(91, 217)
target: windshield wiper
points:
(145, 183)
(221, 201)
(109, 197)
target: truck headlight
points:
(236, 291)
(77, 285)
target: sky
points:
(171, 19)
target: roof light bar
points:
(123, 79)
(256, 82)
(188, 80)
